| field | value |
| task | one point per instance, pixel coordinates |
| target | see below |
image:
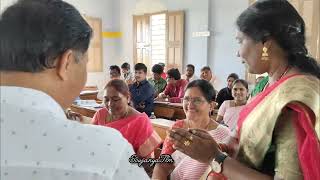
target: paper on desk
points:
(88, 103)
(88, 92)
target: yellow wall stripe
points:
(111, 34)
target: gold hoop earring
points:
(265, 55)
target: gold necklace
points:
(111, 117)
(283, 74)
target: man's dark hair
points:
(140, 66)
(234, 76)
(206, 68)
(34, 33)
(115, 67)
(175, 73)
(125, 66)
(162, 64)
(157, 68)
(191, 66)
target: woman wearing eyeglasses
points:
(197, 104)
(133, 125)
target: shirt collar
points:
(141, 83)
(27, 97)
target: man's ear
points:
(64, 62)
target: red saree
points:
(137, 129)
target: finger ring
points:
(191, 138)
(187, 143)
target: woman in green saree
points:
(279, 130)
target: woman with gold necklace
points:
(133, 125)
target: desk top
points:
(162, 122)
(168, 103)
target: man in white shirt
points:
(189, 75)
(206, 74)
(43, 47)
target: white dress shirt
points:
(194, 77)
(39, 143)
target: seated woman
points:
(228, 113)
(175, 88)
(197, 103)
(133, 125)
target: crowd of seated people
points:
(248, 139)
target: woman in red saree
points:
(279, 129)
(136, 127)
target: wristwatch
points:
(216, 164)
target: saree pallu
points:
(257, 122)
(138, 130)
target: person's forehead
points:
(206, 71)
(238, 85)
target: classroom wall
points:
(107, 10)
(218, 50)
(222, 46)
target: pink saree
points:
(137, 129)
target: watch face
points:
(216, 167)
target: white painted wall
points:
(223, 47)
(196, 19)
(108, 11)
(218, 51)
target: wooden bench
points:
(165, 110)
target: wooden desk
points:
(161, 126)
(84, 111)
(163, 110)
(89, 95)
(164, 107)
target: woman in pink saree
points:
(136, 127)
(279, 129)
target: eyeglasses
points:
(196, 100)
